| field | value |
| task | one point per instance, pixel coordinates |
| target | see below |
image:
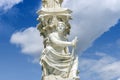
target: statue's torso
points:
(58, 48)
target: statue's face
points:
(60, 28)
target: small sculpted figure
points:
(52, 3)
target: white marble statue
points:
(57, 62)
(52, 3)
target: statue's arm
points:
(59, 42)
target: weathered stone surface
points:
(53, 77)
(57, 62)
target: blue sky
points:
(96, 23)
(13, 64)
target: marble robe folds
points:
(58, 63)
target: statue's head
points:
(61, 27)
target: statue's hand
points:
(74, 41)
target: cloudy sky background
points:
(95, 22)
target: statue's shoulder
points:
(53, 34)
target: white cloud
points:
(7, 4)
(105, 68)
(118, 79)
(91, 18)
(100, 54)
(29, 40)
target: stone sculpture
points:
(51, 3)
(57, 62)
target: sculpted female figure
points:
(52, 3)
(56, 59)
